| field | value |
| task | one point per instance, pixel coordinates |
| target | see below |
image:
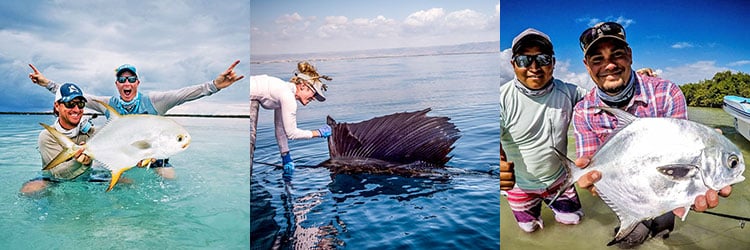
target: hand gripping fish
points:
(124, 141)
(650, 166)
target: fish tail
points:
(571, 171)
(69, 147)
(115, 177)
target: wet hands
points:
(507, 176)
(324, 131)
(81, 157)
(226, 78)
(145, 162)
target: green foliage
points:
(710, 93)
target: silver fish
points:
(124, 141)
(650, 166)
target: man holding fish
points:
(68, 107)
(608, 59)
(130, 101)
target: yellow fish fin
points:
(69, 147)
(112, 112)
(116, 177)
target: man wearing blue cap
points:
(68, 107)
(130, 101)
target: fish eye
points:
(733, 161)
(180, 138)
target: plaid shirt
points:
(654, 97)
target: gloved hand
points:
(325, 131)
(286, 159)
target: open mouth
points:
(127, 91)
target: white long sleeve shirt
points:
(274, 93)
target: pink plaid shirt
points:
(654, 97)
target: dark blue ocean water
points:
(366, 211)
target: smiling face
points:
(304, 93)
(534, 76)
(127, 90)
(69, 117)
(608, 64)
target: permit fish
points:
(407, 143)
(124, 141)
(650, 166)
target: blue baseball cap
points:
(125, 67)
(68, 92)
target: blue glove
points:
(286, 159)
(325, 131)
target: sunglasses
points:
(524, 61)
(72, 104)
(131, 79)
(608, 28)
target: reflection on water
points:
(698, 231)
(366, 211)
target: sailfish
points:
(407, 144)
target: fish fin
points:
(678, 171)
(113, 114)
(623, 118)
(627, 225)
(573, 173)
(687, 209)
(69, 147)
(141, 144)
(116, 177)
(400, 138)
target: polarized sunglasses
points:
(608, 28)
(72, 104)
(524, 61)
(131, 79)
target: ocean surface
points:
(368, 211)
(205, 207)
(698, 231)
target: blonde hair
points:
(308, 69)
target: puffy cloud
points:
(424, 18)
(591, 21)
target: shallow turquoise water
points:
(366, 211)
(205, 207)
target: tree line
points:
(710, 93)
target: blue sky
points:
(684, 41)
(289, 27)
(173, 44)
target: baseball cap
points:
(316, 84)
(68, 92)
(532, 36)
(600, 31)
(125, 67)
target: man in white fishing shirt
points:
(68, 107)
(130, 101)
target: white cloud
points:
(682, 45)
(692, 73)
(739, 63)
(591, 21)
(173, 45)
(424, 18)
(297, 33)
